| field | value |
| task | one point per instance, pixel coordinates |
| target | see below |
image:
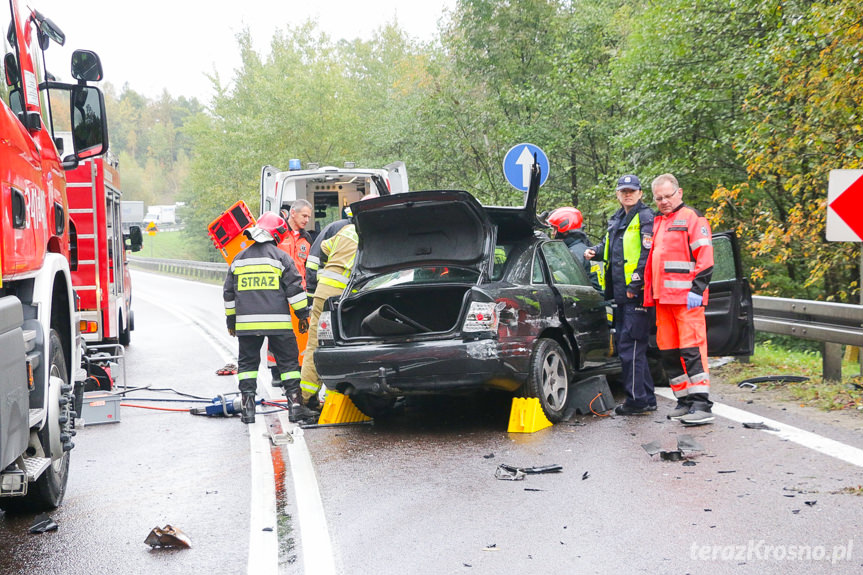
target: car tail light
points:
(325, 326)
(481, 316)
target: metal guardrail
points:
(832, 324)
(814, 320)
(184, 268)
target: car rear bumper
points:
(424, 367)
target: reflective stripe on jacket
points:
(681, 260)
(316, 258)
(341, 251)
(260, 289)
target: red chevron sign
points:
(845, 206)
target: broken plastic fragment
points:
(653, 447)
(687, 443)
(671, 455)
(508, 473)
(759, 425)
(167, 536)
(688, 463)
(43, 523)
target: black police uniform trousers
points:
(284, 348)
(632, 335)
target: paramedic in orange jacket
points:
(296, 243)
(677, 275)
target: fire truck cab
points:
(40, 348)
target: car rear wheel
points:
(549, 378)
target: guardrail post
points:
(831, 361)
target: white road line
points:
(802, 437)
(316, 547)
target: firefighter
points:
(339, 252)
(261, 288)
(316, 256)
(624, 251)
(677, 276)
(296, 244)
(567, 224)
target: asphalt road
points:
(417, 493)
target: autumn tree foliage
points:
(804, 108)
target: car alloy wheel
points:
(549, 378)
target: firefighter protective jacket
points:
(261, 287)
(316, 258)
(625, 250)
(681, 260)
(297, 244)
(341, 251)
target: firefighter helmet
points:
(565, 219)
(273, 224)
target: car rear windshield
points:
(422, 275)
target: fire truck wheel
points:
(47, 491)
(125, 333)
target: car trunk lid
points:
(441, 227)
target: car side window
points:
(563, 267)
(723, 260)
(537, 276)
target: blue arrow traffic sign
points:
(517, 163)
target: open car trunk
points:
(404, 311)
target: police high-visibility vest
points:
(631, 251)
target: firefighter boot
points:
(298, 413)
(248, 403)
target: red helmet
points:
(274, 224)
(565, 219)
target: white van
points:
(329, 189)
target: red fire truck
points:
(101, 277)
(40, 346)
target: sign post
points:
(844, 216)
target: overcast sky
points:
(158, 44)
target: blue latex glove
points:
(693, 300)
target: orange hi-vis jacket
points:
(681, 259)
(297, 245)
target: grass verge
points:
(772, 359)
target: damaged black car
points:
(449, 296)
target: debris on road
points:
(653, 447)
(43, 523)
(229, 369)
(585, 475)
(489, 456)
(671, 455)
(167, 536)
(513, 473)
(687, 443)
(759, 425)
(753, 381)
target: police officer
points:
(624, 251)
(678, 274)
(261, 288)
